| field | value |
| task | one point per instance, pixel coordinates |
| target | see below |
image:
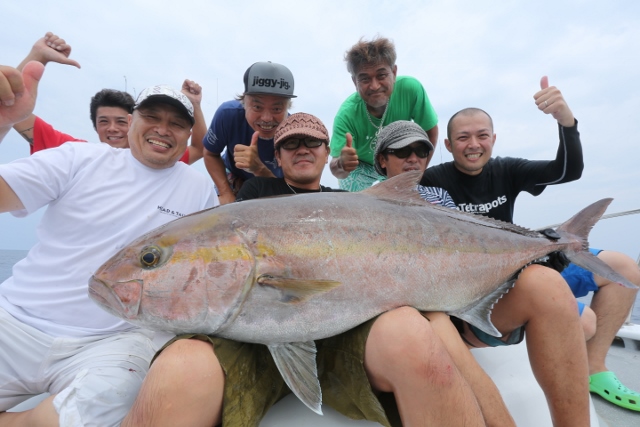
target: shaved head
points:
(467, 112)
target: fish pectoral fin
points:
(590, 262)
(297, 365)
(479, 314)
(297, 290)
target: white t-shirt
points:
(99, 199)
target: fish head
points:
(182, 277)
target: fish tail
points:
(578, 228)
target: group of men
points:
(254, 148)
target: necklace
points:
(378, 128)
(295, 192)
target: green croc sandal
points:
(607, 386)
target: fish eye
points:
(150, 256)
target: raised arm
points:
(215, 166)
(17, 99)
(49, 48)
(568, 164)
(193, 91)
(17, 94)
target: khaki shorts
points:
(95, 379)
(253, 383)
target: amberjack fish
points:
(286, 271)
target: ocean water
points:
(10, 257)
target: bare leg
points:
(493, 408)
(43, 415)
(588, 321)
(542, 301)
(184, 386)
(611, 304)
(403, 355)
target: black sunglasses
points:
(421, 151)
(294, 143)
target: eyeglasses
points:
(294, 143)
(421, 151)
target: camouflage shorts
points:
(253, 384)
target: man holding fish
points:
(403, 146)
(392, 353)
(98, 199)
(489, 186)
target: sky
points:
(466, 53)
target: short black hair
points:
(466, 112)
(110, 98)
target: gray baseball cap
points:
(397, 135)
(268, 78)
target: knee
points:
(402, 329)
(187, 362)
(621, 264)
(588, 321)
(405, 343)
(541, 288)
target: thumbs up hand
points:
(549, 100)
(246, 156)
(348, 155)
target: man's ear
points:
(277, 154)
(353, 79)
(447, 144)
(382, 161)
(394, 70)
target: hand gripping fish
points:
(286, 271)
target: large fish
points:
(288, 270)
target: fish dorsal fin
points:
(297, 290)
(297, 365)
(479, 314)
(400, 189)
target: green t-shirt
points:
(409, 101)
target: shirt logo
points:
(482, 207)
(166, 211)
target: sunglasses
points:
(294, 143)
(421, 151)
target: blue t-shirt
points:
(229, 128)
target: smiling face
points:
(471, 141)
(112, 125)
(394, 165)
(158, 135)
(303, 166)
(265, 112)
(375, 84)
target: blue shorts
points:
(580, 280)
(515, 337)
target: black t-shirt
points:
(493, 192)
(264, 187)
